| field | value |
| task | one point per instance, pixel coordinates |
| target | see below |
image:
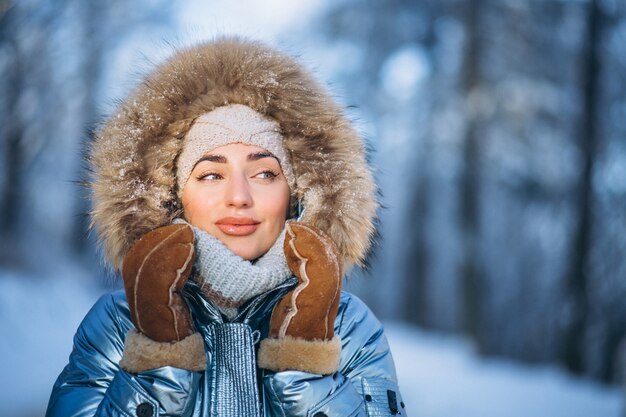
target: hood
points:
(133, 156)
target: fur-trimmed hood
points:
(133, 157)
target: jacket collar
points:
(205, 312)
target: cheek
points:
(196, 205)
(277, 205)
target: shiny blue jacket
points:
(93, 384)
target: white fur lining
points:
(315, 356)
(142, 353)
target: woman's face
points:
(239, 194)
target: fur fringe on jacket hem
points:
(142, 353)
(290, 353)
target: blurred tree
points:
(58, 59)
(10, 124)
(392, 36)
(472, 285)
(500, 219)
(578, 272)
(604, 341)
(24, 44)
(103, 31)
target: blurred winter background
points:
(499, 137)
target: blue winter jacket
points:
(93, 384)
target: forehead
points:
(237, 149)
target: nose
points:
(238, 193)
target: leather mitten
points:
(301, 334)
(154, 271)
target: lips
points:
(237, 226)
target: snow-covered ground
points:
(38, 317)
(439, 375)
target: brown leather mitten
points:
(301, 334)
(155, 269)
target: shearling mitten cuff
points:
(142, 353)
(314, 356)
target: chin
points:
(246, 253)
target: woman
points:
(232, 193)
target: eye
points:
(209, 176)
(266, 175)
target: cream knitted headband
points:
(224, 125)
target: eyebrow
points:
(221, 159)
(260, 155)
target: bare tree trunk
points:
(93, 65)
(577, 277)
(11, 126)
(613, 345)
(469, 188)
(416, 299)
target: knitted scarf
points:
(229, 280)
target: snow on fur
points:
(134, 154)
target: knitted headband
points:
(234, 123)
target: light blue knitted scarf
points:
(229, 280)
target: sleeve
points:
(365, 385)
(93, 384)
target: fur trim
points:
(315, 356)
(133, 157)
(142, 353)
